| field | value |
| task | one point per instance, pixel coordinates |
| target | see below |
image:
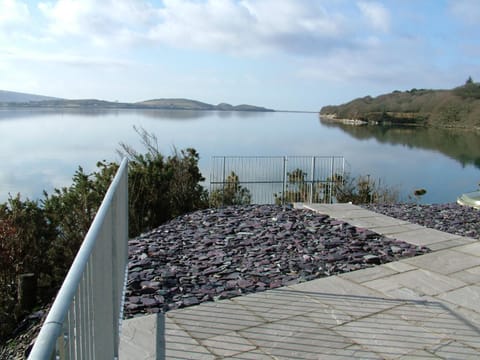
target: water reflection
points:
(460, 145)
(41, 149)
(19, 113)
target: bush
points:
(161, 188)
(25, 235)
(232, 193)
(71, 210)
(43, 238)
(469, 90)
(363, 190)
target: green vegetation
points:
(298, 189)
(161, 188)
(232, 193)
(363, 190)
(342, 189)
(43, 237)
(458, 107)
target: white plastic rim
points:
(470, 199)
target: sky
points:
(282, 54)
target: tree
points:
(298, 189)
(8, 256)
(362, 190)
(186, 193)
(232, 193)
(469, 81)
(71, 210)
(25, 236)
(161, 188)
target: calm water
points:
(42, 149)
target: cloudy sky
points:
(283, 54)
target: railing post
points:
(284, 184)
(224, 180)
(312, 177)
(331, 181)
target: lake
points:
(41, 149)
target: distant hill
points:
(13, 99)
(458, 108)
(186, 104)
(183, 104)
(17, 97)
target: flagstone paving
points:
(427, 307)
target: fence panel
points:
(278, 179)
(84, 320)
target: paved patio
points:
(427, 307)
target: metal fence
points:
(276, 179)
(84, 320)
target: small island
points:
(10, 99)
(454, 108)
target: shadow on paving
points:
(291, 324)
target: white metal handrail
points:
(84, 320)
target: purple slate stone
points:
(134, 307)
(189, 301)
(147, 290)
(134, 299)
(148, 302)
(221, 253)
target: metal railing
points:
(278, 179)
(84, 320)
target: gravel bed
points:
(452, 218)
(216, 254)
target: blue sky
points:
(283, 54)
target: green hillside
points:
(17, 97)
(177, 104)
(458, 107)
(186, 104)
(36, 101)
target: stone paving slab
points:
(138, 338)
(445, 261)
(382, 224)
(427, 307)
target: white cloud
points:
(213, 24)
(101, 21)
(13, 12)
(376, 14)
(304, 28)
(466, 11)
(11, 55)
(376, 65)
(232, 26)
(249, 26)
